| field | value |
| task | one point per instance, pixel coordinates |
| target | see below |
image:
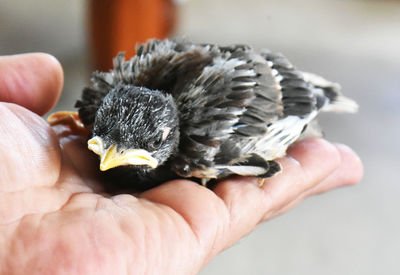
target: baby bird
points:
(179, 109)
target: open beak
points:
(110, 157)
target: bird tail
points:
(329, 96)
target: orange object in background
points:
(118, 25)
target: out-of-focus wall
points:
(53, 26)
(353, 27)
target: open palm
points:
(56, 219)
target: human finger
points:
(32, 80)
(348, 173)
(308, 162)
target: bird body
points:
(202, 110)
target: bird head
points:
(135, 126)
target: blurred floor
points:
(356, 43)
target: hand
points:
(55, 219)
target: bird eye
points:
(156, 143)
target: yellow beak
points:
(110, 157)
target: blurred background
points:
(354, 42)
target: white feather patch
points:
(341, 104)
(280, 135)
(244, 170)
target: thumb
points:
(32, 80)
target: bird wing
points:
(232, 101)
(299, 107)
(245, 107)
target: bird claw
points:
(261, 182)
(70, 119)
(204, 181)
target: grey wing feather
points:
(328, 95)
(297, 94)
(231, 102)
(291, 101)
(208, 114)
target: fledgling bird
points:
(201, 110)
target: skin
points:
(55, 218)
